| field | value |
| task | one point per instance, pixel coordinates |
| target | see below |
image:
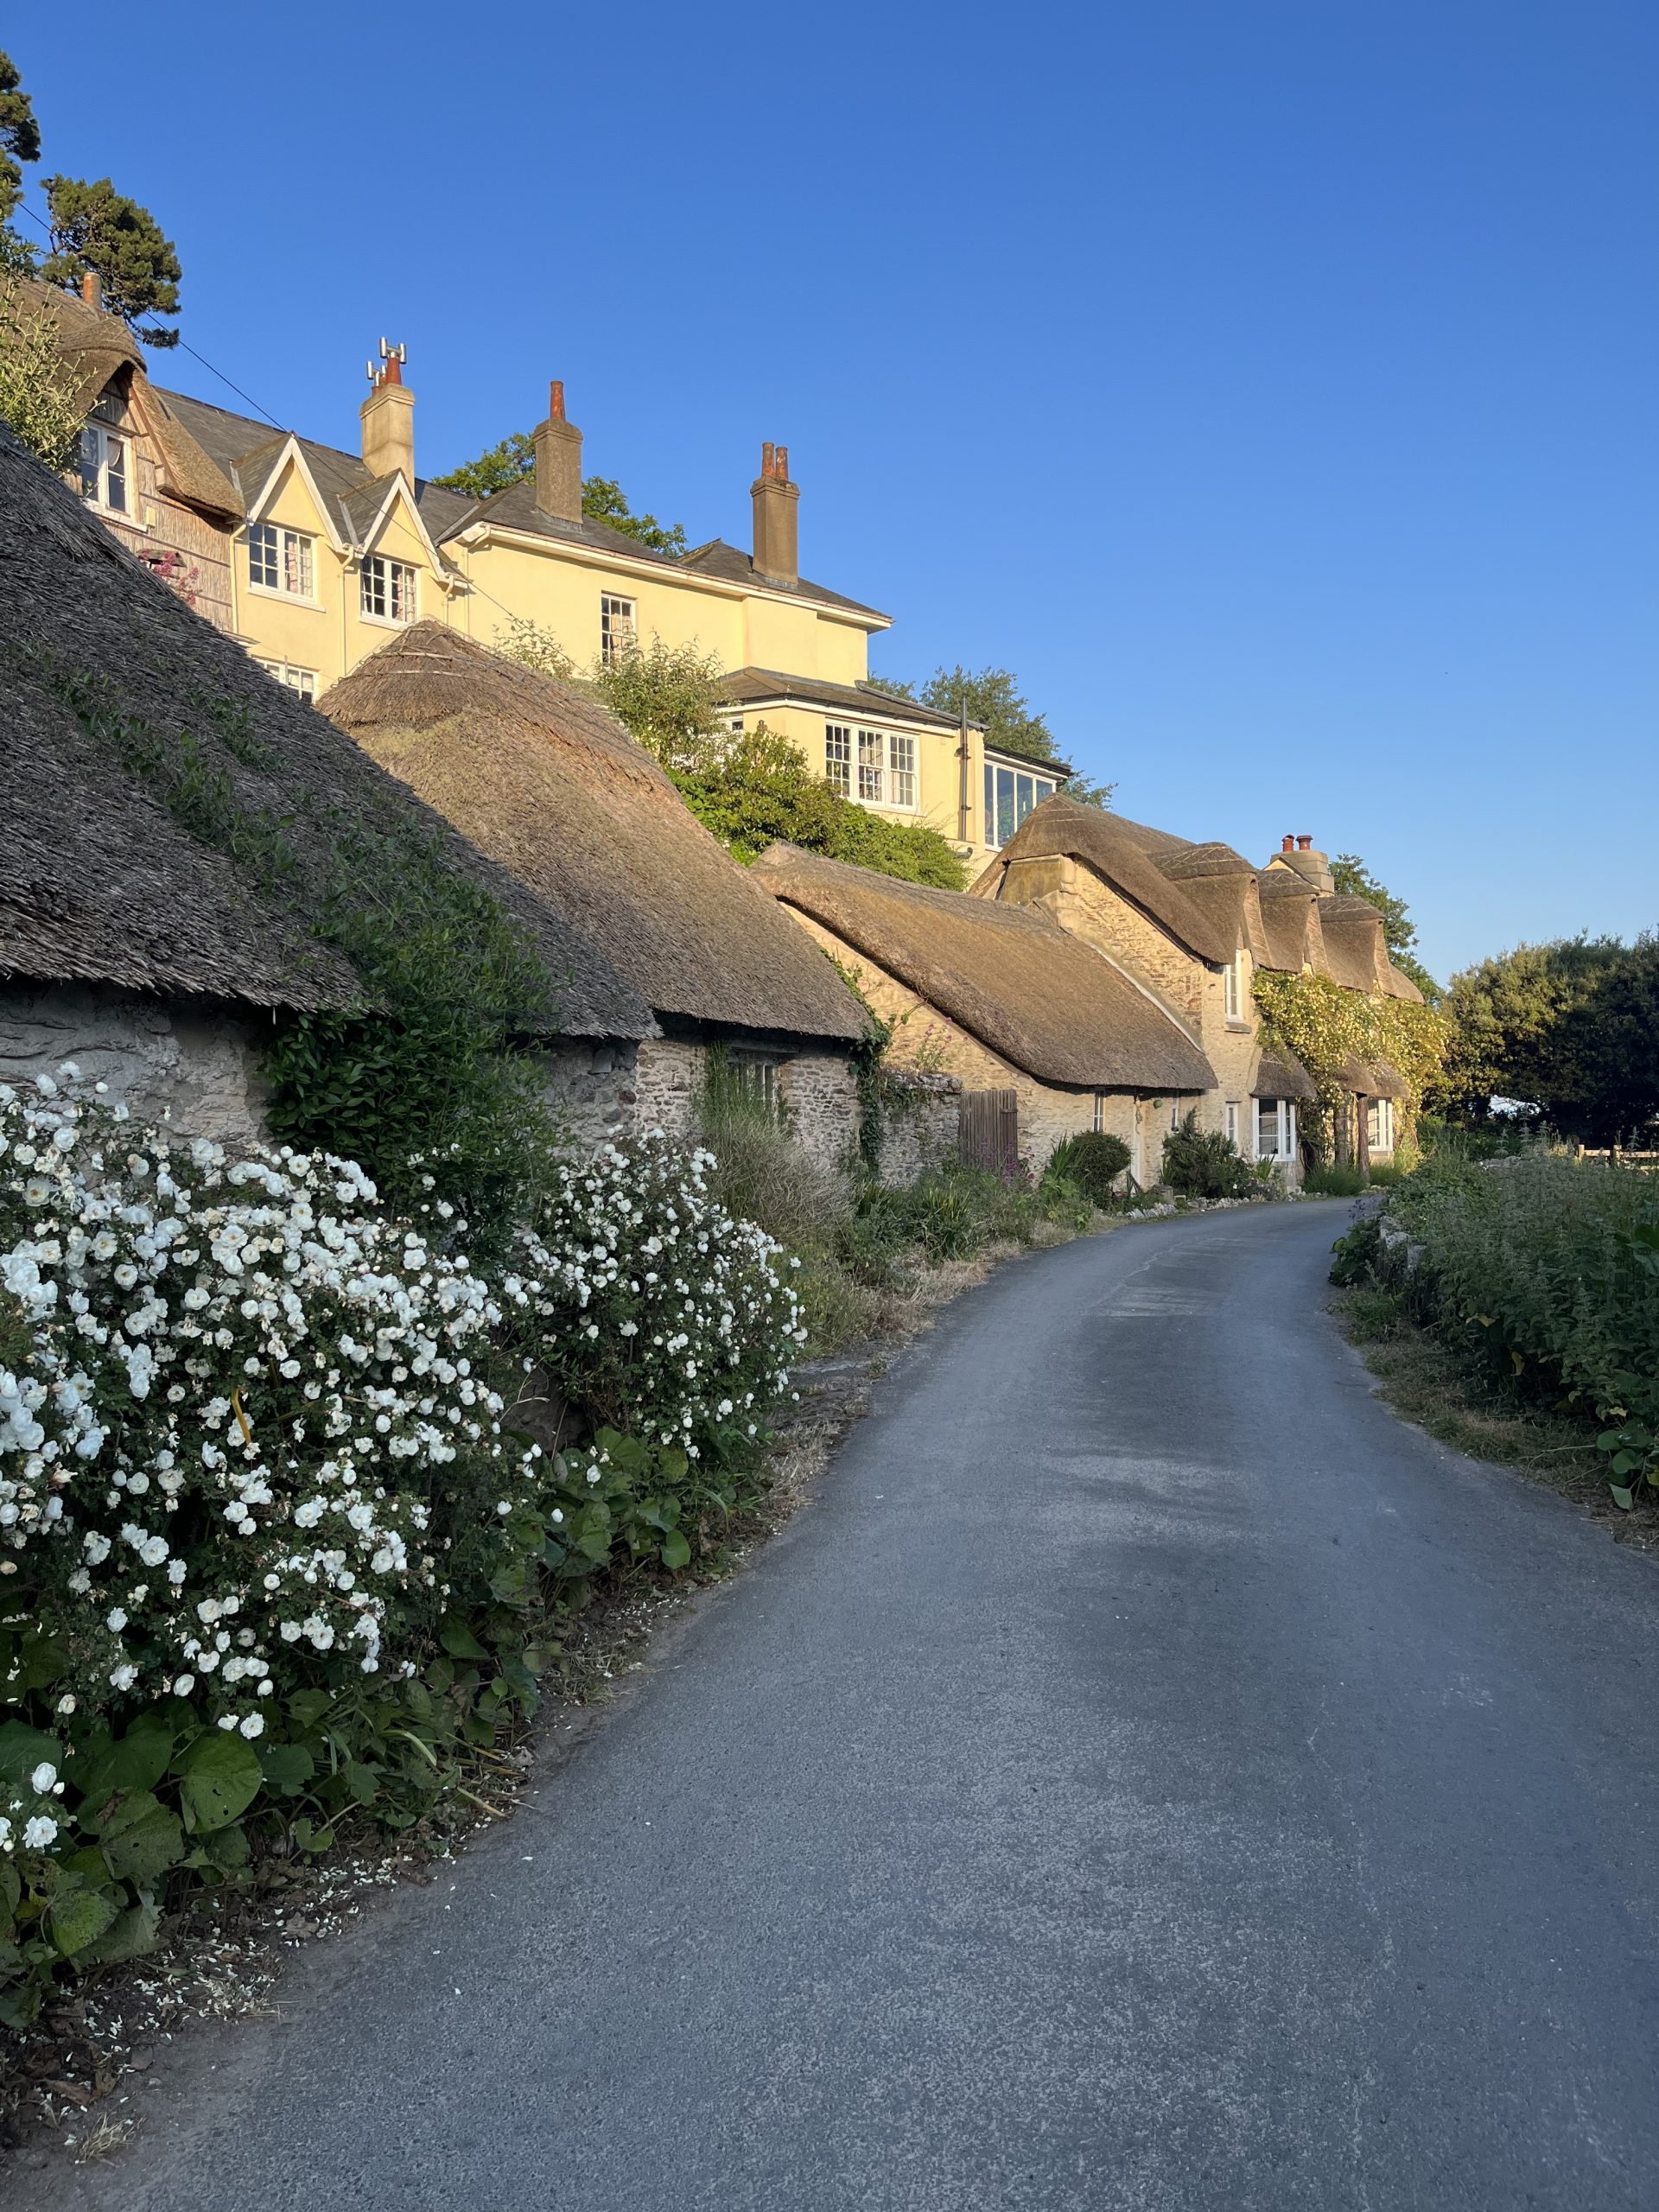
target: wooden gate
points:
(990, 1130)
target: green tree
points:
(37, 387)
(1571, 1028)
(669, 698)
(757, 787)
(497, 469)
(1352, 877)
(513, 461)
(993, 698)
(20, 137)
(95, 227)
(604, 500)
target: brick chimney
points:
(776, 500)
(388, 415)
(92, 288)
(558, 460)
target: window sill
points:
(386, 621)
(286, 598)
(115, 514)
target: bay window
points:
(1010, 796)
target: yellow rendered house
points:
(309, 555)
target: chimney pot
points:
(558, 460)
(768, 460)
(1304, 844)
(783, 464)
(1287, 845)
(91, 288)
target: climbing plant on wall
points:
(1324, 1025)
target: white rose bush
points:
(274, 1546)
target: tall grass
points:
(1549, 1267)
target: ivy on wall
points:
(1324, 1025)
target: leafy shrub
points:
(1382, 1174)
(1333, 1181)
(657, 1311)
(272, 1557)
(1092, 1161)
(1547, 1268)
(1203, 1163)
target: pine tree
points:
(95, 227)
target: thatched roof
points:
(1009, 975)
(539, 776)
(99, 881)
(95, 346)
(1119, 851)
(1282, 1075)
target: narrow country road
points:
(1149, 1775)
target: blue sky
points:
(1270, 383)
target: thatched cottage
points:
(129, 944)
(1193, 923)
(536, 774)
(1005, 999)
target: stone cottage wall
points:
(668, 1081)
(921, 1123)
(188, 1062)
(820, 1095)
(592, 1084)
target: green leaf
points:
(22, 1749)
(676, 1552)
(458, 1639)
(141, 1840)
(129, 1936)
(220, 1778)
(1625, 1499)
(78, 1917)
(287, 1767)
(227, 1848)
(137, 1760)
(363, 1781)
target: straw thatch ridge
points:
(99, 881)
(538, 775)
(1117, 850)
(1009, 975)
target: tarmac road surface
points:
(1149, 1775)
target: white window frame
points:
(1233, 988)
(838, 757)
(302, 680)
(305, 546)
(1026, 790)
(872, 767)
(1379, 1112)
(901, 772)
(381, 571)
(1283, 1111)
(1233, 1123)
(103, 436)
(619, 627)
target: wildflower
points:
(39, 1832)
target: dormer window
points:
(1010, 796)
(106, 461)
(283, 560)
(389, 590)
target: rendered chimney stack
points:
(558, 460)
(776, 500)
(388, 415)
(92, 288)
(1313, 867)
